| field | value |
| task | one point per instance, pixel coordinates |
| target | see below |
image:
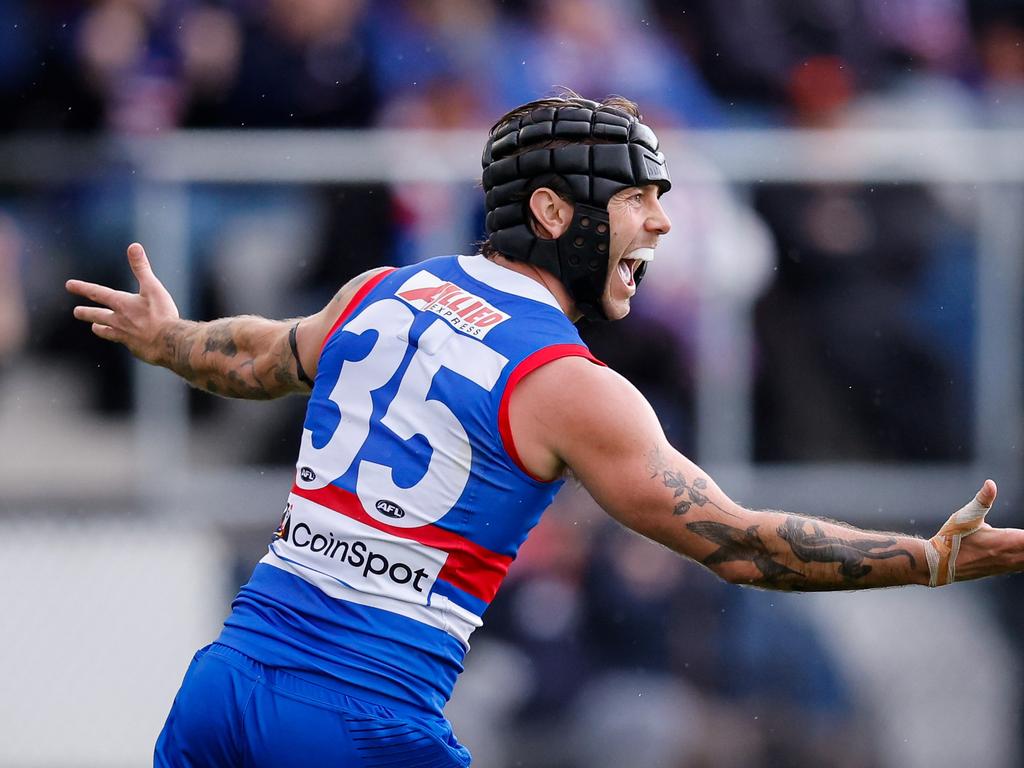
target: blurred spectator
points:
(43, 86)
(922, 35)
(436, 61)
(127, 59)
(601, 47)
(431, 218)
(210, 42)
(835, 327)
(437, 52)
(283, 64)
(838, 324)
(748, 51)
(999, 27)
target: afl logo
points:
(307, 475)
(390, 509)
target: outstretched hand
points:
(136, 320)
(975, 547)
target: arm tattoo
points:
(285, 370)
(812, 546)
(775, 554)
(221, 339)
(737, 544)
(676, 480)
(178, 343)
(815, 547)
(230, 358)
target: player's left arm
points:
(246, 357)
(599, 425)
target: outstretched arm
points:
(246, 357)
(572, 413)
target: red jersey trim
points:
(346, 313)
(527, 366)
(475, 570)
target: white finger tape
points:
(941, 550)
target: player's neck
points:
(546, 279)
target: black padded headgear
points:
(625, 155)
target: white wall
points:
(99, 620)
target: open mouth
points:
(626, 269)
(627, 266)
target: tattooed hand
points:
(137, 320)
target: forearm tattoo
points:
(813, 546)
(737, 544)
(230, 357)
(776, 557)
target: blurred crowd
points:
(149, 65)
(835, 261)
(861, 294)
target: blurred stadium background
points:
(834, 326)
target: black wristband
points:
(303, 376)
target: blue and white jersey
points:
(409, 501)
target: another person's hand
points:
(136, 320)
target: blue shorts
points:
(234, 711)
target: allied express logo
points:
(465, 311)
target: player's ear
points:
(551, 214)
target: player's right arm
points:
(245, 357)
(571, 413)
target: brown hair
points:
(566, 98)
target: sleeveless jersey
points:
(409, 501)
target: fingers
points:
(100, 315)
(95, 292)
(987, 495)
(108, 333)
(101, 319)
(139, 263)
